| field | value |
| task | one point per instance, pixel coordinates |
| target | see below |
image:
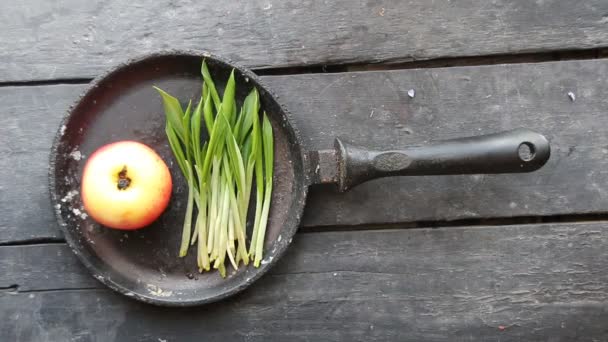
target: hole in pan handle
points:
(515, 151)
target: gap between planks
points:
(537, 57)
(14, 289)
(471, 223)
(33, 241)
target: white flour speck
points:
(572, 96)
(264, 262)
(62, 130)
(157, 291)
(411, 93)
(69, 196)
(279, 238)
(76, 155)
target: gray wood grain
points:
(30, 118)
(74, 39)
(505, 283)
(373, 109)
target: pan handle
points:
(515, 151)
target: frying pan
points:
(143, 264)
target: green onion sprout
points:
(221, 172)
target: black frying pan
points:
(143, 264)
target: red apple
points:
(125, 185)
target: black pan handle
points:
(519, 150)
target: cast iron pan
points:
(143, 264)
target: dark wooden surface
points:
(449, 102)
(345, 278)
(506, 283)
(75, 39)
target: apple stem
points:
(123, 180)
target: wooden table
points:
(459, 258)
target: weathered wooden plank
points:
(30, 119)
(507, 283)
(97, 315)
(72, 38)
(373, 109)
(43, 267)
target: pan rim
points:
(297, 206)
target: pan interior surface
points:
(144, 264)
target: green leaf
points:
(208, 115)
(220, 173)
(268, 143)
(183, 249)
(195, 127)
(176, 148)
(173, 112)
(256, 157)
(235, 158)
(239, 122)
(217, 137)
(250, 109)
(209, 84)
(186, 124)
(246, 147)
(204, 92)
(202, 155)
(186, 117)
(256, 146)
(267, 136)
(228, 104)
